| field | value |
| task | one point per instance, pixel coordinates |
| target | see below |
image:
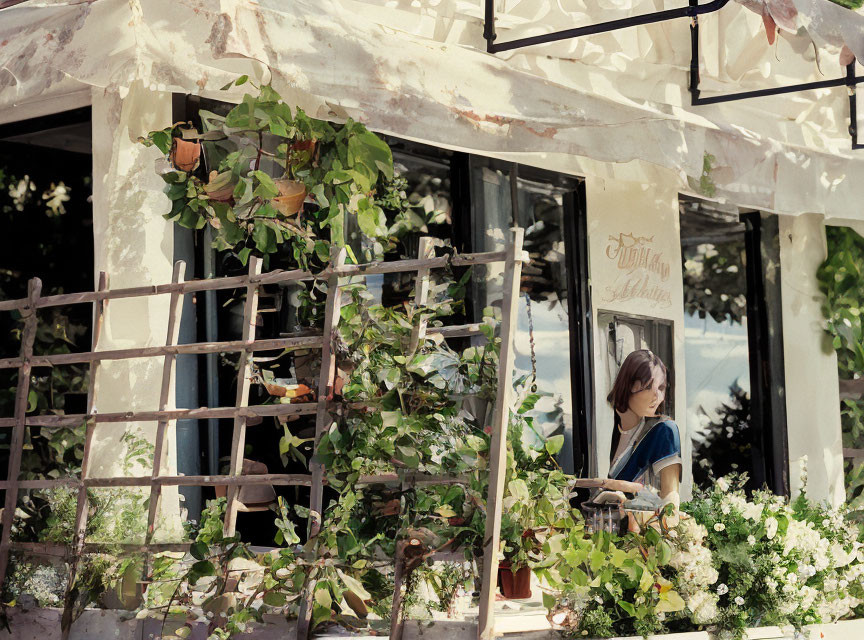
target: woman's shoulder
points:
(664, 423)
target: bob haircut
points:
(638, 367)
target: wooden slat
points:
(299, 409)
(325, 389)
(326, 376)
(421, 294)
(426, 249)
(61, 550)
(34, 288)
(273, 277)
(81, 508)
(282, 479)
(244, 375)
(498, 445)
(196, 348)
(160, 453)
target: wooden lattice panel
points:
(241, 411)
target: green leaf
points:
(32, 401)
(203, 568)
(597, 560)
(664, 553)
(354, 585)
(266, 187)
(627, 607)
(549, 600)
(554, 444)
(278, 127)
(670, 602)
(162, 140)
(519, 490)
(199, 550)
(264, 237)
(322, 597)
(275, 599)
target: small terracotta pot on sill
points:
(185, 155)
(514, 586)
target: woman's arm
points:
(669, 486)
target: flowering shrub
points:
(732, 563)
(777, 563)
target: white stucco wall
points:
(134, 246)
(648, 211)
(812, 405)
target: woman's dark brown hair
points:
(638, 367)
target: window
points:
(550, 346)
(733, 344)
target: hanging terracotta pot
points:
(514, 585)
(185, 155)
(220, 187)
(292, 193)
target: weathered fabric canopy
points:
(419, 70)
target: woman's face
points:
(645, 400)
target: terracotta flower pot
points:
(292, 193)
(514, 586)
(185, 154)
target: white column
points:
(134, 245)
(812, 404)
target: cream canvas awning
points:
(611, 105)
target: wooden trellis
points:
(241, 411)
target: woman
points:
(646, 446)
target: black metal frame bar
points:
(850, 80)
(690, 11)
(693, 10)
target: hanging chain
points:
(531, 343)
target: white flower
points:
(725, 508)
(752, 511)
(751, 540)
(703, 604)
(770, 527)
(739, 601)
(722, 589)
(722, 485)
(791, 577)
(719, 526)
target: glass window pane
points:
(715, 334)
(542, 342)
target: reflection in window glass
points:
(427, 188)
(542, 341)
(715, 334)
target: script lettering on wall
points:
(641, 271)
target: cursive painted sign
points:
(641, 271)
